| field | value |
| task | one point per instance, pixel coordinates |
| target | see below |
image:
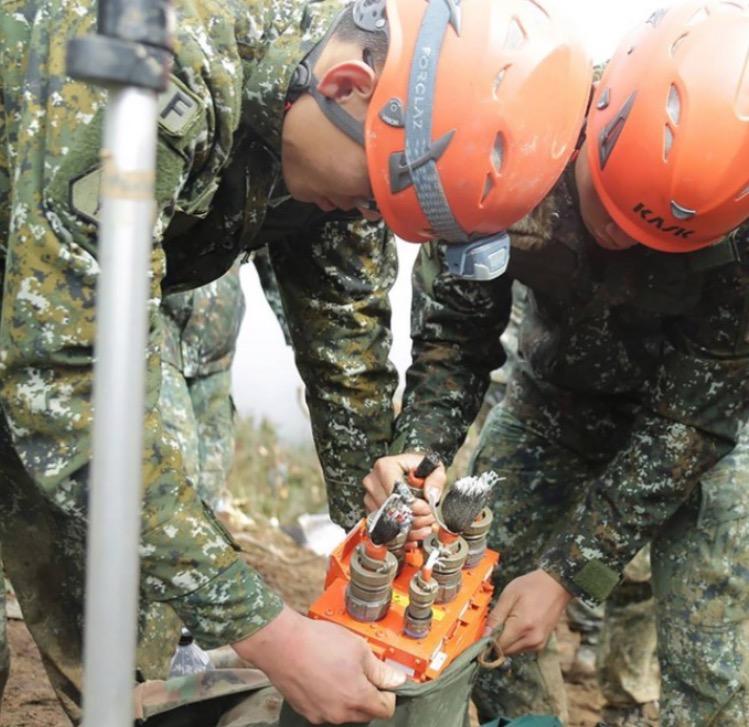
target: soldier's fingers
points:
(381, 674)
(422, 522)
(375, 488)
(382, 706)
(513, 632)
(379, 705)
(420, 534)
(420, 508)
(531, 640)
(369, 504)
(390, 470)
(435, 484)
(501, 610)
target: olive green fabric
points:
(219, 698)
(245, 698)
(442, 702)
(531, 720)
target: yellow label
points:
(401, 599)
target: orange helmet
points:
(475, 115)
(668, 133)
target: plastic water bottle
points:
(189, 658)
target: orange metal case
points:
(455, 625)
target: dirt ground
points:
(298, 575)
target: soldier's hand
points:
(529, 608)
(326, 673)
(387, 471)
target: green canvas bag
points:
(439, 703)
(245, 698)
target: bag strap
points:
(492, 657)
(732, 249)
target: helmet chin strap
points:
(304, 81)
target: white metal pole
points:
(130, 55)
(126, 231)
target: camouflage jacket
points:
(218, 162)
(201, 326)
(638, 360)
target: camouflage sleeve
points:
(47, 328)
(694, 411)
(334, 286)
(456, 326)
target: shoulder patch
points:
(178, 108)
(84, 195)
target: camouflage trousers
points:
(699, 562)
(628, 669)
(159, 625)
(199, 415)
(622, 633)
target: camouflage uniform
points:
(218, 166)
(624, 423)
(201, 329)
(618, 636)
(271, 291)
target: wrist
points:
(590, 580)
(275, 638)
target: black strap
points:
(733, 249)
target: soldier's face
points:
(597, 220)
(320, 163)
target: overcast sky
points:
(265, 379)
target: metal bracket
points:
(401, 170)
(132, 48)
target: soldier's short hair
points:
(374, 44)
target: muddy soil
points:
(298, 575)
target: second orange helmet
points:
(668, 132)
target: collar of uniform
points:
(268, 82)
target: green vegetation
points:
(274, 479)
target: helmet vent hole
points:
(515, 35)
(743, 195)
(701, 15)
(498, 152)
(488, 187)
(668, 142)
(680, 212)
(678, 43)
(498, 82)
(674, 105)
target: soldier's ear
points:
(348, 80)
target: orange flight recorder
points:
(455, 625)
